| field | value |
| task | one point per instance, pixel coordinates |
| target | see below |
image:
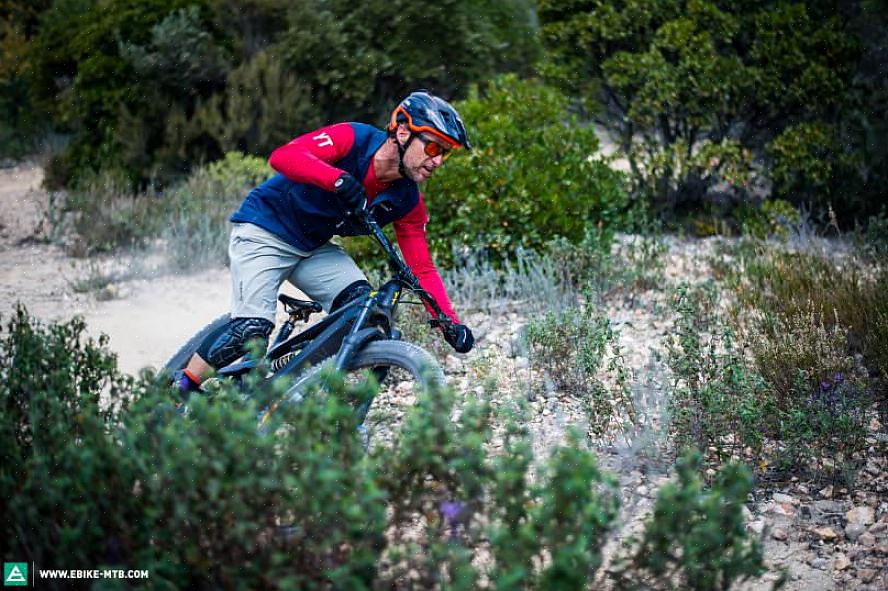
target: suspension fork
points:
(354, 338)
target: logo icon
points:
(15, 574)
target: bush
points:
(100, 470)
(196, 212)
(199, 502)
(872, 239)
(811, 164)
(570, 348)
(773, 218)
(717, 402)
(696, 538)
(169, 85)
(694, 91)
(532, 176)
(783, 286)
(446, 489)
(101, 214)
(789, 407)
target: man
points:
(282, 229)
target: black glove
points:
(459, 337)
(350, 192)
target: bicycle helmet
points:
(424, 112)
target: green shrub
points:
(801, 350)
(98, 469)
(717, 402)
(777, 286)
(811, 164)
(579, 351)
(160, 88)
(775, 217)
(532, 176)
(59, 391)
(696, 538)
(872, 239)
(446, 488)
(692, 90)
(798, 400)
(202, 501)
(295, 510)
(102, 214)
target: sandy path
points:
(148, 320)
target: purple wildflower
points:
(451, 510)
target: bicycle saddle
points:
(295, 304)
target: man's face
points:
(418, 164)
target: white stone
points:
(861, 514)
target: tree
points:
(694, 90)
(156, 86)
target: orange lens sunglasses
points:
(432, 148)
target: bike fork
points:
(350, 342)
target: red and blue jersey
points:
(299, 206)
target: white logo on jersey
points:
(325, 140)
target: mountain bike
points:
(358, 338)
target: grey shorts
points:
(261, 262)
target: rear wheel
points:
(181, 357)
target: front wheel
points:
(402, 369)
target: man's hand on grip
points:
(350, 192)
(460, 337)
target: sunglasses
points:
(432, 148)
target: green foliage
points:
(844, 294)
(180, 55)
(717, 401)
(447, 489)
(773, 218)
(573, 518)
(19, 125)
(205, 500)
(103, 215)
(264, 105)
(84, 83)
(693, 90)
(200, 502)
(872, 239)
(811, 164)
(864, 125)
(571, 348)
(696, 538)
(160, 86)
(531, 177)
(799, 399)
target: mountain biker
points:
(282, 229)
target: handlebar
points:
(404, 273)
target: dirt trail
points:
(146, 321)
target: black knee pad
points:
(355, 290)
(222, 348)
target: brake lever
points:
(445, 323)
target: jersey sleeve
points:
(411, 234)
(310, 158)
